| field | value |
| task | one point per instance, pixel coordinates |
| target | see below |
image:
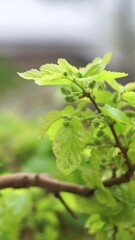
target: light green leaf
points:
(106, 197)
(96, 66)
(50, 69)
(54, 128)
(124, 234)
(131, 151)
(92, 69)
(68, 110)
(49, 74)
(53, 121)
(32, 74)
(129, 87)
(129, 97)
(49, 119)
(106, 58)
(107, 75)
(116, 114)
(125, 193)
(95, 175)
(103, 96)
(68, 146)
(115, 85)
(94, 223)
(66, 67)
(54, 79)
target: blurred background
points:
(35, 32)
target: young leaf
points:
(95, 175)
(94, 223)
(115, 114)
(92, 69)
(115, 85)
(68, 146)
(32, 74)
(49, 119)
(129, 87)
(96, 66)
(106, 75)
(49, 74)
(50, 68)
(102, 96)
(54, 79)
(66, 66)
(106, 58)
(55, 128)
(129, 97)
(68, 111)
(131, 151)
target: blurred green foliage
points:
(32, 213)
(8, 76)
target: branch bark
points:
(26, 180)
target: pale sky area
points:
(43, 21)
(104, 25)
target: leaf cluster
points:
(95, 136)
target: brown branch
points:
(119, 180)
(93, 101)
(26, 180)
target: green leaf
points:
(115, 114)
(129, 87)
(129, 97)
(131, 151)
(53, 121)
(50, 68)
(69, 110)
(49, 119)
(96, 66)
(54, 128)
(103, 96)
(49, 74)
(95, 175)
(66, 66)
(106, 58)
(94, 223)
(54, 79)
(107, 75)
(32, 74)
(92, 69)
(124, 234)
(68, 146)
(115, 85)
(125, 193)
(106, 197)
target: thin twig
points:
(73, 214)
(115, 230)
(118, 143)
